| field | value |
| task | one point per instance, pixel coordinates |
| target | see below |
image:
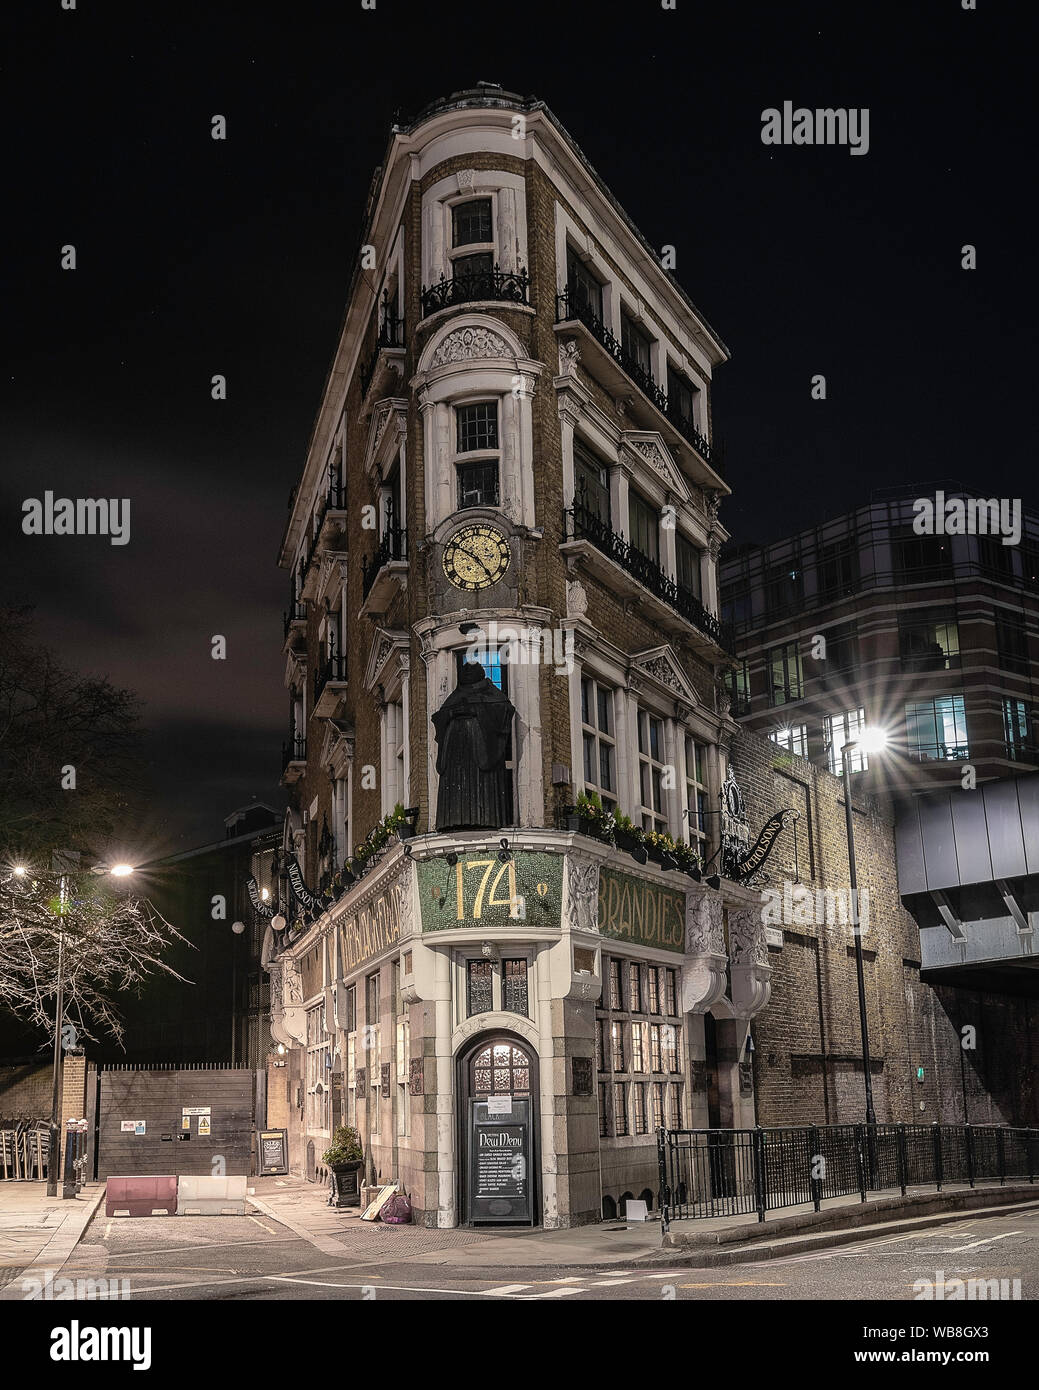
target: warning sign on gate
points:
(203, 1124)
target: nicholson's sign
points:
(633, 909)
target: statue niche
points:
(472, 733)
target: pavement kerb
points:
(54, 1255)
(322, 1243)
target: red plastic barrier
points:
(141, 1195)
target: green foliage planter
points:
(344, 1158)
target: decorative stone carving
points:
(714, 546)
(654, 458)
(582, 885)
(713, 501)
(569, 356)
(468, 344)
(747, 944)
(661, 668)
(704, 927)
(722, 696)
(466, 179)
(576, 599)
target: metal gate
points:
(196, 1121)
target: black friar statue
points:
(472, 731)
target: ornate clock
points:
(477, 556)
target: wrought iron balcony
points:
(581, 523)
(296, 614)
(293, 752)
(331, 672)
(505, 286)
(393, 546)
(569, 306)
(391, 335)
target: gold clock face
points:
(477, 556)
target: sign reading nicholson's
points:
(632, 909)
(375, 927)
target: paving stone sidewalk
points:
(38, 1233)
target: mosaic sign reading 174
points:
(483, 890)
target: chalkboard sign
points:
(272, 1146)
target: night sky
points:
(197, 257)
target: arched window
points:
(501, 1068)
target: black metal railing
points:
(296, 614)
(581, 523)
(390, 335)
(294, 751)
(504, 286)
(572, 305)
(731, 1172)
(393, 546)
(333, 668)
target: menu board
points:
(501, 1161)
(500, 1176)
(272, 1147)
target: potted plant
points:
(661, 848)
(628, 836)
(588, 817)
(401, 821)
(689, 861)
(344, 1159)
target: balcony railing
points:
(505, 286)
(939, 752)
(293, 752)
(580, 523)
(570, 305)
(391, 335)
(393, 546)
(296, 614)
(333, 668)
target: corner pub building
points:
(513, 461)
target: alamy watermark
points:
(48, 1289)
(77, 516)
(801, 125)
(968, 516)
(943, 1290)
(526, 646)
(796, 905)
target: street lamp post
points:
(54, 1150)
(871, 740)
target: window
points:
(676, 1105)
(668, 1048)
(634, 990)
(995, 558)
(514, 986)
(652, 990)
(600, 1044)
(471, 222)
(617, 1046)
(687, 566)
(1015, 729)
(737, 682)
(317, 1072)
(651, 771)
(937, 729)
(929, 641)
(794, 738)
(635, 343)
(919, 558)
(477, 433)
(490, 661)
(695, 795)
(615, 984)
(842, 650)
(638, 1047)
(591, 485)
(681, 395)
(658, 1104)
(479, 987)
(669, 992)
(620, 1107)
(839, 729)
(838, 567)
(737, 606)
(654, 1047)
(644, 526)
(604, 1113)
(1011, 641)
(600, 750)
(583, 289)
(371, 1003)
(639, 1106)
(785, 676)
(783, 589)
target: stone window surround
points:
(626, 466)
(507, 193)
(466, 380)
(617, 296)
(633, 688)
(504, 950)
(440, 642)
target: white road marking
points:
(609, 1283)
(556, 1293)
(507, 1289)
(955, 1249)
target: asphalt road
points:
(253, 1258)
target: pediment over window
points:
(654, 454)
(337, 746)
(471, 338)
(660, 665)
(388, 427)
(388, 659)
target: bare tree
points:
(110, 942)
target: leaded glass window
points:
(479, 987)
(514, 986)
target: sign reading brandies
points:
(483, 890)
(647, 914)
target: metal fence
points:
(732, 1172)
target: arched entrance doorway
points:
(499, 1151)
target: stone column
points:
(510, 488)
